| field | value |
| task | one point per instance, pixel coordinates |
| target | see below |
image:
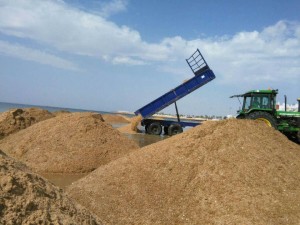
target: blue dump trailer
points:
(203, 75)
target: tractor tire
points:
(154, 128)
(166, 132)
(174, 128)
(267, 118)
(240, 117)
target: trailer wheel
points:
(166, 132)
(174, 128)
(146, 129)
(154, 128)
(265, 117)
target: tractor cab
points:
(257, 100)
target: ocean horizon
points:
(5, 106)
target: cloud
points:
(271, 55)
(18, 51)
(127, 61)
(113, 7)
(250, 57)
(56, 24)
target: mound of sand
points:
(27, 198)
(16, 119)
(71, 143)
(110, 118)
(226, 172)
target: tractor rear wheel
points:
(154, 128)
(174, 128)
(267, 118)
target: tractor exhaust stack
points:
(284, 102)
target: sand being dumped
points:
(27, 198)
(17, 119)
(135, 122)
(70, 143)
(132, 128)
(110, 118)
(226, 172)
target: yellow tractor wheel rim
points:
(265, 121)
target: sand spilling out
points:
(14, 120)
(135, 122)
(110, 118)
(27, 198)
(128, 129)
(132, 128)
(70, 143)
(226, 172)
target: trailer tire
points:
(146, 129)
(154, 128)
(267, 118)
(174, 128)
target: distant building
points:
(230, 116)
(292, 107)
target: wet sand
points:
(63, 180)
(145, 139)
(141, 139)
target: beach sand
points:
(221, 172)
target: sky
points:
(118, 55)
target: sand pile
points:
(70, 143)
(27, 198)
(226, 172)
(109, 118)
(16, 119)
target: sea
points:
(5, 106)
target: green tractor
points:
(261, 105)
